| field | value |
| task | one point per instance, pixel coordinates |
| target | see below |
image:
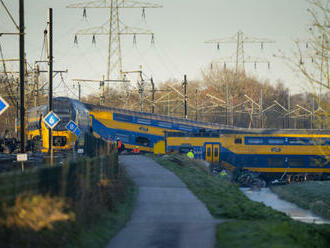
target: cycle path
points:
(167, 213)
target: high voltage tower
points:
(114, 28)
(240, 40)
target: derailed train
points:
(298, 154)
(271, 152)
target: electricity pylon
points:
(240, 39)
(114, 28)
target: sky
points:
(181, 28)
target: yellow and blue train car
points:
(144, 130)
(67, 109)
(271, 152)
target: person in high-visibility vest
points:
(190, 154)
(119, 145)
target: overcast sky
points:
(181, 27)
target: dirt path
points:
(167, 214)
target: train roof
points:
(216, 133)
(209, 125)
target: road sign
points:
(3, 105)
(21, 157)
(77, 131)
(71, 126)
(51, 119)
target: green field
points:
(250, 224)
(313, 195)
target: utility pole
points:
(289, 109)
(50, 76)
(185, 96)
(22, 72)
(227, 104)
(79, 91)
(196, 104)
(240, 39)
(152, 95)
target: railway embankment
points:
(250, 224)
(311, 195)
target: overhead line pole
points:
(185, 96)
(50, 76)
(22, 72)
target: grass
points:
(312, 195)
(251, 224)
(99, 234)
(90, 219)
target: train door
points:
(216, 153)
(212, 153)
(208, 153)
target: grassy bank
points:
(313, 195)
(109, 224)
(83, 203)
(252, 224)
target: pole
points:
(185, 96)
(50, 76)
(102, 91)
(79, 91)
(289, 109)
(196, 104)
(227, 99)
(153, 95)
(22, 72)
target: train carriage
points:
(270, 152)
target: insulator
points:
(262, 45)
(211, 66)
(312, 60)
(268, 65)
(306, 45)
(152, 39)
(301, 61)
(224, 65)
(84, 13)
(134, 39)
(75, 40)
(143, 13)
(94, 39)
(255, 65)
(218, 46)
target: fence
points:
(68, 180)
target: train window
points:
(276, 141)
(318, 161)
(143, 141)
(216, 152)
(208, 152)
(299, 141)
(238, 141)
(320, 141)
(59, 140)
(276, 162)
(297, 161)
(254, 141)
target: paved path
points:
(167, 214)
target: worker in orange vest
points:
(119, 145)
